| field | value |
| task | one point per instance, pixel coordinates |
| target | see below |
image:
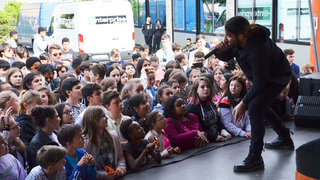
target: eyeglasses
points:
(60, 66)
(56, 54)
(14, 127)
(35, 67)
(48, 78)
(46, 61)
(200, 60)
(161, 119)
(9, 50)
(67, 112)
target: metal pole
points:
(198, 15)
(315, 49)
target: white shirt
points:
(39, 45)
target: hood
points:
(24, 117)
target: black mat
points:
(175, 158)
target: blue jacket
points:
(85, 172)
(296, 69)
(121, 62)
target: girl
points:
(175, 87)
(28, 99)
(124, 77)
(130, 69)
(182, 60)
(166, 77)
(47, 119)
(61, 69)
(133, 87)
(109, 84)
(163, 94)
(47, 96)
(156, 123)
(182, 80)
(234, 93)
(194, 75)
(142, 64)
(201, 104)
(65, 113)
(14, 77)
(154, 62)
(148, 80)
(248, 83)
(138, 107)
(31, 81)
(114, 72)
(223, 86)
(213, 61)
(184, 129)
(217, 74)
(102, 145)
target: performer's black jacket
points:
(262, 61)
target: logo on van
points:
(107, 20)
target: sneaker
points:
(251, 163)
(281, 143)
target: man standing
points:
(147, 31)
(67, 53)
(40, 42)
(13, 39)
(265, 65)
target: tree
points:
(10, 13)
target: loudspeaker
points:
(310, 85)
(307, 112)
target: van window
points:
(51, 27)
(66, 21)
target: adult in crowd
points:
(147, 31)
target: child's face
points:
(44, 98)
(93, 78)
(116, 58)
(135, 61)
(86, 73)
(155, 65)
(161, 122)
(304, 71)
(203, 90)
(217, 76)
(96, 98)
(78, 140)
(7, 53)
(235, 88)
(201, 43)
(143, 108)
(145, 65)
(48, 77)
(76, 91)
(180, 108)
(182, 86)
(176, 89)
(248, 83)
(130, 70)
(35, 67)
(144, 54)
(37, 81)
(167, 93)
(3, 146)
(59, 166)
(65, 45)
(137, 89)
(115, 74)
(62, 71)
(290, 58)
(103, 123)
(16, 79)
(116, 106)
(151, 79)
(235, 71)
(56, 56)
(3, 72)
(136, 131)
(166, 43)
(223, 83)
(194, 77)
(55, 122)
(282, 96)
(124, 78)
(114, 87)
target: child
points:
(201, 104)
(47, 73)
(14, 77)
(133, 87)
(6, 53)
(47, 96)
(290, 55)
(201, 47)
(184, 129)
(103, 146)
(32, 64)
(144, 51)
(307, 68)
(21, 54)
(138, 107)
(79, 164)
(176, 49)
(182, 80)
(112, 101)
(142, 65)
(31, 81)
(124, 77)
(223, 84)
(135, 58)
(182, 60)
(97, 73)
(165, 54)
(4, 66)
(71, 89)
(47, 120)
(45, 58)
(114, 58)
(137, 149)
(164, 92)
(20, 65)
(217, 74)
(51, 164)
(234, 93)
(148, 81)
(175, 87)
(9, 163)
(65, 113)
(84, 70)
(67, 53)
(154, 62)
(236, 70)
(281, 106)
(114, 73)
(156, 123)
(28, 99)
(194, 75)
(130, 69)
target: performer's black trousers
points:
(259, 110)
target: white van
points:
(95, 28)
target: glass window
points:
(219, 15)
(245, 9)
(287, 20)
(190, 23)
(206, 16)
(179, 14)
(153, 11)
(134, 5)
(263, 13)
(162, 12)
(141, 12)
(305, 27)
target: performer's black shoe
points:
(251, 163)
(281, 143)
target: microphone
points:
(214, 51)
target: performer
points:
(265, 65)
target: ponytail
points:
(27, 97)
(253, 29)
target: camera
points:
(158, 25)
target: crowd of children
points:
(78, 119)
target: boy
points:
(176, 49)
(92, 94)
(4, 66)
(33, 64)
(201, 46)
(40, 42)
(84, 70)
(289, 53)
(144, 51)
(45, 58)
(55, 55)
(97, 73)
(135, 58)
(51, 164)
(137, 149)
(165, 54)
(71, 89)
(67, 53)
(47, 73)
(199, 64)
(75, 66)
(13, 39)
(307, 68)
(113, 102)
(6, 53)
(79, 164)
(114, 58)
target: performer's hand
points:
(240, 111)
(222, 45)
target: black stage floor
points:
(218, 164)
